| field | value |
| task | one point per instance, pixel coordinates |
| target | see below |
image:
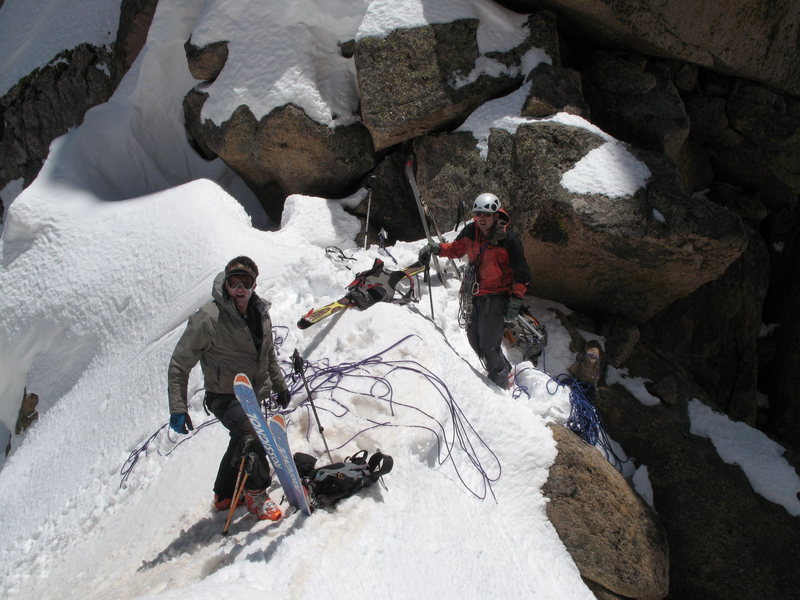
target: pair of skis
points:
(362, 292)
(273, 437)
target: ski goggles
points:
(239, 281)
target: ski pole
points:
(368, 185)
(297, 363)
(430, 287)
(237, 492)
(409, 169)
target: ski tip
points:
(242, 379)
(304, 324)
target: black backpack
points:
(327, 485)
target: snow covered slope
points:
(104, 257)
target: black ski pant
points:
(231, 414)
(485, 335)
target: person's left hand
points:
(283, 399)
(512, 310)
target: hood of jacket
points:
(225, 302)
(500, 227)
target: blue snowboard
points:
(272, 435)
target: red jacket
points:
(500, 261)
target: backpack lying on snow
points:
(327, 485)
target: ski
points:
(424, 214)
(371, 286)
(272, 435)
(315, 315)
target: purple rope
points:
(324, 379)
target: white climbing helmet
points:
(486, 203)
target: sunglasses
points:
(235, 281)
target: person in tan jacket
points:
(229, 335)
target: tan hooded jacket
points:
(218, 337)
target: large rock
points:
(752, 136)
(754, 39)
(53, 99)
(46, 104)
(781, 379)
(630, 256)
(554, 89)
(636, 100)
(614, 537)
(286, 152)
(715, 332)
(135, 18)
(415, 81)
(206, 62)
(726, 541)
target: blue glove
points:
(181, 423)
(512, 310)
(284, 398)
(427, 250)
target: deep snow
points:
(97, 291)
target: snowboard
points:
(272, 435)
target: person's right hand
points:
(426, 252)
(181, 423)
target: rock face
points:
(725, 540)
(46, 104)
(637, 101)
(408, 81)
(678, 275)
(284, 153)
(51, 100)
(780, 376)
(206, 63)
(751, 38)
(725, 313)
(135, 18)
(631, 256)
(614, 537)
(28, 414)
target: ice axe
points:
(245, 467)
(299, 367)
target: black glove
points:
(427, 250)
(181, 423)
(283, 399)
(512, 310)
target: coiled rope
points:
(583, 418)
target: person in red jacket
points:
(496, 278)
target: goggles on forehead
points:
(235, 281)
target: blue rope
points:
(584, 420)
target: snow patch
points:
(759, 457)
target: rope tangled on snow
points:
(372, 377)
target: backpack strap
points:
(358, 458)
(379, 465)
